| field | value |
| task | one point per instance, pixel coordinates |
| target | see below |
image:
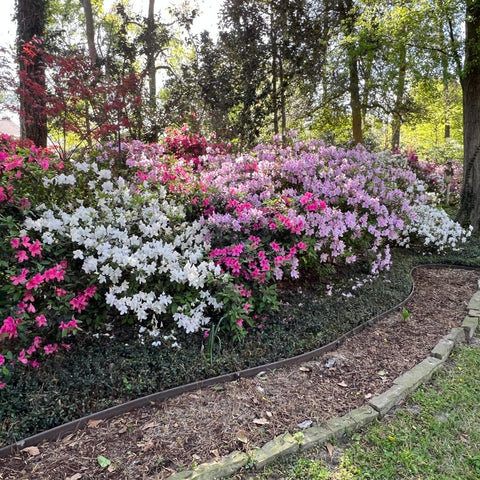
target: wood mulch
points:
(156, 441)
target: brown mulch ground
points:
(195, 427)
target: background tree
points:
(470, 80)
(31, 22)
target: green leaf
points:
(103, 462)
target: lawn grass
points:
(435, 435)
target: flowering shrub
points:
(172, 242)
(432, 174)
(44, 311)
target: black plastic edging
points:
(61, 431)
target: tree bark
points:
(31, 19)
(90, 28)
(152, 71)
(470, 199)
(347, 15)
(399, 94)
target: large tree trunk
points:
(90, 28)
(470, 199)
(31, 19)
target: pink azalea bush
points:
(185, 235)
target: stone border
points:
(376, 408)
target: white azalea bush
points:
(139, 247)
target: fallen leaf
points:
(305, 369)
(149, 425)
(329, 449)
(77, 476)
(382, 373)
(122, 430)
(343, 384)
(261, 421)
(368, 395)
(242, 436)
(94, 423)
(33, 451)
(103, 462)
(269, 414)
(215, 453)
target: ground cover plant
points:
(176, 262)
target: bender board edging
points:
(61, 431)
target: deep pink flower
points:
(15, 242)
(41, 321)
(49, 349)
(21, 357)
(35, 281)
(239, 322)
(21, 256)
(26, 242)
(10, 326)
(20, 279)
(35, 249)
(2, 359)
(79, 303)
(90, 291)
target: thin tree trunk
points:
(399, 94)
(355, 103)
(90, 28)
(152, 71)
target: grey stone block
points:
(457, 335)
(420, 373)
(339, 425)
(473, 312)
(384, 402)
(224, 467)
(443, 349)
(363, 416)
(282, 445)
(313, 436)
(470, 324)
(474, 303)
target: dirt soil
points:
(155, 442)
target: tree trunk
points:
(347, 15)
(470, 199)
(273, 42)
(31, 19)
(399, 96)
(90, 27)
(355, 103)
(152, 71)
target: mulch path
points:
(156, 441)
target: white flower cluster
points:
(138, 244)
(435, 227)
